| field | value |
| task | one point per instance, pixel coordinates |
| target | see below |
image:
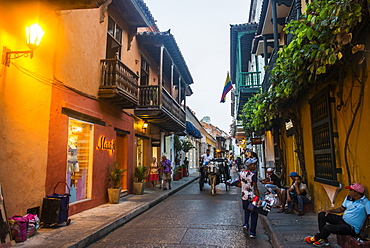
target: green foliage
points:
(177, 143)
(319, 39)
(115, 174)
(140, 173)
(186, 145)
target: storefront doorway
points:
(121, 157)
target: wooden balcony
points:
(157, 106)
(119, 84)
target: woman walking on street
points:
(154, 173)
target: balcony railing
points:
(251, 79)
(156, 104)
(119, 83)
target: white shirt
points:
(206, 158)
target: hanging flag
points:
(227, 87)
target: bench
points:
(348, 241)
(307, 208)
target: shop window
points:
(322, 138)
(79, 163)
(114, 39)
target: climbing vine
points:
(319, 38)
(324, 42)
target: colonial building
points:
(104, 86)
(315, 115)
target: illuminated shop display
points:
(79, 159)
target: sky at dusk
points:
(202, 31)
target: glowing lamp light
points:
(34, 34)
(145, 125)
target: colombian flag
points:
(227, 87)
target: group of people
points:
(355, 207)
(160, 173)
(296, 192)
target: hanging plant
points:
(186, 145)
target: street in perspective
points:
(188, 123)
(189, 218)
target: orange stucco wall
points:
(25, 88)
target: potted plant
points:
(179, 169)
(115, 176)
(176, 175)
(140, 174)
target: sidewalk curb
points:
(276, 239)
(88, 240)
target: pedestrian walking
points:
(249, 189)
(166, 165)
(153, 173)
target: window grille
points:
(322, 138)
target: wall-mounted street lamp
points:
(34, 34)
(145, 125)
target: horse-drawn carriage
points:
(215, 172)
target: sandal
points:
(281, 210)
(289, 211)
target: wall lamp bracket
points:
(8, 55)
(34, 34)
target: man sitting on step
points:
(355, 207)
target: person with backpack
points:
(166, 165)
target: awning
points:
(193, 131)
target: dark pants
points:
(337, 226)
(300, 199)
(252, 215)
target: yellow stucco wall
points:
(358, 143)
(25, 89)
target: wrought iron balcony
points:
(119, 84)
(157, 106)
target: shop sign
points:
(103, 144)
(256, 141)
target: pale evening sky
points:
(202, 31)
